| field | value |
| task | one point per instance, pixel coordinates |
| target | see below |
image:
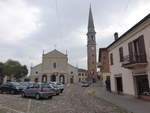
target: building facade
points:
(54, 67)
(103, 64)
(82, 75)
(130, 72)
(91, 48)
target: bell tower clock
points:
(91, 48)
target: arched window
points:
(54, 65)
(92, 37)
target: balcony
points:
(133, 61)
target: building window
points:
(36, 72)
(79, 74)
(121, 54)
(137, 50)
(79, 79)
(92, 37)
(71, 72)
(54, 65)
(82, 74)
(111, 59)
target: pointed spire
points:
(43, 51)
(90, 21)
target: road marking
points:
(7, 108)
(29, 106)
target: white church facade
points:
(54, 67)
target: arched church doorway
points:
(72, 80)
(53, 78)
(44, 78)
(36, 80)
(62, 79)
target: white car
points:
(59, 85)
(85, 84)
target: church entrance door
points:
(53, 78)
(71, 80)
(44, 78)
(62, 79)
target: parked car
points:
(147, 93)
(11, 88)
(58, 85)
(38, 90)
(26, 84)
(85, 84)
(56, 89)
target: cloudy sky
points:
(27, 27)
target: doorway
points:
(62, 79)
(71, 80)
(44, 78)
(53, 78)
(142, 84)
(119, 85)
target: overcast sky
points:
(27, 27)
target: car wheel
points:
(23, 94)
(57, 94)
(37, 96)
(12, 92)
(1, 92)
(50, 97)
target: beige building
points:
(129, 57)
(82, 75)
(54, 67)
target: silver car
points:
(38, 90)
(58, 85)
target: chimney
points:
(116, 36)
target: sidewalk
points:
(128, 102)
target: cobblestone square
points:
(74, 99)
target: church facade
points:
(55, 68)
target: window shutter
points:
(121, 54)
(142, 48)
(111, 59)
(130, 51)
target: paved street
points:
(74, 100)
(130, 103)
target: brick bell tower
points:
(91, 49)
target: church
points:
(55, 68)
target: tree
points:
(15, 69)
(22, 71)
(1, 72)
(1, 69)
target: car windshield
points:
(24, 84)
(45, 85)
(59, 84)
(15, 83)
(55, 86)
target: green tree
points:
(22, 71)
(1, 72)
(15, 69)
(1, 69)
